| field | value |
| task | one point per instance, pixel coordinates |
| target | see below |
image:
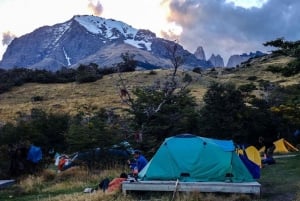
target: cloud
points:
(226, 29)
(7, 37)
(169, 35)
(96, 8)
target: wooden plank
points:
(246, 187)
(6, 183)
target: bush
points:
(292, 68)
(152, 72)
(247, 87)
(37, 98)
(229, 69)
(274, 69)
(197, 70)
(252, 78)
(87, 78)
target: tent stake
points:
(175, 190)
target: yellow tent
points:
(281, 146)
(253, 155)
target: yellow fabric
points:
(262, 150)
(281, 146)
(252, 154)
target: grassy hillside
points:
(71, 98)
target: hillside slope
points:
(71, 98)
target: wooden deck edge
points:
(246, 188)
(6, 183)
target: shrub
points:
(274, 69)
(229, 69)
(252, 78)
(247, 87)
(197, 70)
(37, 98)
(152, 72)
(87, 78)
(292, 68)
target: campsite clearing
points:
(279, 182)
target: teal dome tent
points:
(191, 158)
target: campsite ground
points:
(280, 182)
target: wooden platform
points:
(224, 187)
(6, 183)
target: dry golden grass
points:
(258, 68)
(70, 184)
(30, 184)
(71, 98)
(67, 185)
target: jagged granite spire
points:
(216, 61)
(235, 60)
(199, 53)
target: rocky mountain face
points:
(90, 39)
(199, 53)
(235, 60)
(216, 61)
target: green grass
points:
(280, 181)
(282, 178)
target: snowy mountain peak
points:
(107, 27)
(112, 29)
(88, 39)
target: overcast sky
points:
(224, 27)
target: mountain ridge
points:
(70, 43)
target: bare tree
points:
(166, 90)
(175, 57)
